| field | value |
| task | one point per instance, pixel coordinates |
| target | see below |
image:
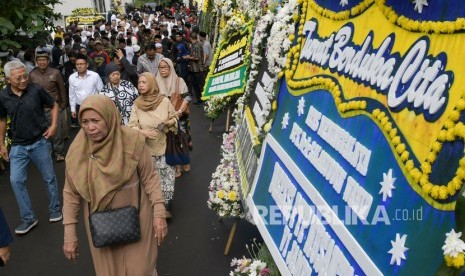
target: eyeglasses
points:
(163, 67)
(20, 78)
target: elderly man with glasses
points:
(30, 132)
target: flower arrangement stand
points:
(231, 237)
(228, 116)
(211, 125)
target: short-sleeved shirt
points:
(197, 52)
(27, 114)
(207, 50)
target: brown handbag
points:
(176, 100)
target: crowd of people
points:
(113, 80)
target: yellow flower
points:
(404, 156)
(415, 174)
(435, 192)
(427, 188)
(381, 115)
(454, 115)
(423, 179)
(426, 167)
(437, 147)
(396, 140)
(431, 157)
(274, 106)
(443, 192)
(457, 183)
(388, 127)
(400, 148)
(456, 262)
(442, 135)
(393, 133)
(232, 195)
(363, 105)
(267, 126)
(461, 105)
(451, 188)
(220, 194)
(409, 165)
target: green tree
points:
(25, 21)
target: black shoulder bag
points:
(115, 226)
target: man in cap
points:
(51, 80)
(136, 49)
(159, 48)
(100, 58)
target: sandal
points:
(186, 168)
(178, 173)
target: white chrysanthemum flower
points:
(453, 245)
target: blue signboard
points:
(329, 196)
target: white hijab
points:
(168, 85)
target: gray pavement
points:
(196, 239)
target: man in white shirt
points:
(129, 51)
(82, 84)
(135, 25)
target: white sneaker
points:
(56, 217)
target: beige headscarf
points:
(168, 85)
(150, 100)
(98, 170)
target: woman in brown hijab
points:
(153, 114)
(104, 166)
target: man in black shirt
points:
(30, 133)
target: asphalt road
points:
(196, 239)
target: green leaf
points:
(19, 14)
(14, 44)
(7, 24)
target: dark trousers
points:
(75, 121)
(197, 82)
(57, 140)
